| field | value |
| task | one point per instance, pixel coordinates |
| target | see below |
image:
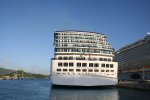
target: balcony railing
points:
(82, 58)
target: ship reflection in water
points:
(98, 93)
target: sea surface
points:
(40, 89)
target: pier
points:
(144, 85)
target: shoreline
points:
(22, 78)
(142, 85)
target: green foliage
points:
(4, 71)
(21, 73)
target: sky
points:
(27, 27)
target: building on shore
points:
(134, 59)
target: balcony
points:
(82, 58)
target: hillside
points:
(4, 71)
(20, 73)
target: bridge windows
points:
(108, 68)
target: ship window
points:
(78, 70)
(111, 65)
(59, 64)
(109, 59)
(107, 65)
(59, 58)
(103, 65)
(102, 70)
(58, 69)
(100, 59)
(90, 64)
(70, 58)
(90, 70)
(112, 70)
(65, 64)
(78, 64)
(105, 59)
(94, 58)
(96, 65)
(65, 58)
(60, 50)
(64, 69)
(65, 50)
(84, 64)
(55, 50)
(84, 70)
(71, 64)
(96, 70)
(77, 58)
(71, 70)
(107, 70)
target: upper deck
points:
(81, 42)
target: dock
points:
(144, 85)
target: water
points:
(24, 89)
(42, 90)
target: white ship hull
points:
(83, 80)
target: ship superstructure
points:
(134, 60)
(83, 59)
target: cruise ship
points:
(83, 58)
(134, 60)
